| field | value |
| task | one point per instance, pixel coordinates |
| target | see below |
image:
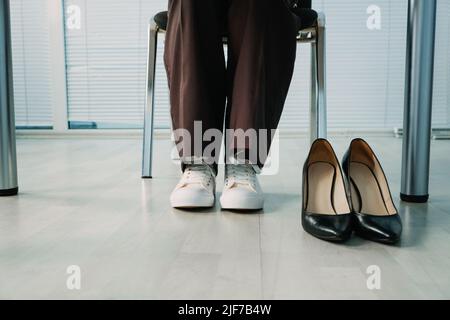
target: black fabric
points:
(307, 18)
(305, 4)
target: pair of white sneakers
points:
(197, 188)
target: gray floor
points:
(83, 203)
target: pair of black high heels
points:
(334, 206)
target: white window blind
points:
(366, 68)
(106, 60)
(106, 63)
(31, 65)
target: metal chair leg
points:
(147, 158)
(318, 112)
(313, 112)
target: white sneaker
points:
(242, 190)
(196, 189)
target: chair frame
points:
(315, 35)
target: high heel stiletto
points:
(326, 212)
(375, 216)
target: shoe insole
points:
(320, 187)
(367, 194)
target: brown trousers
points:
(247, 92)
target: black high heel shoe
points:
(375, 216)
(326, 212)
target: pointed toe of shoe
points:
(382, 229)
(333, 228)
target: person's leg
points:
(195, 65)
(262, 51)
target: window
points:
(105, 65)
(31, 63)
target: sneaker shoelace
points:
(197, 174)
(243, 175)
